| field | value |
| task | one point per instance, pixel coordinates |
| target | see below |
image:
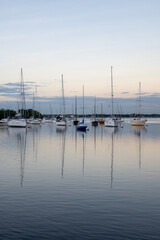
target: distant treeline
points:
(107, 115)
(8, 113)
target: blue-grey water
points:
(63, 184)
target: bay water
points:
(57, 183)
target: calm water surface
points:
(63, 184)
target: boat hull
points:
(61, 123)
(17, 123)
(111, 123)
(4, 122)
(48, 121)
(35, 122)
(82, 128)
(101, 122)
(75, 122)
(95, 123)
(138, 122)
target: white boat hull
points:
(48, 121)
(137, 122)
(17, 123)
(61, 123)
(111, 123)
(4, 122)
(36, 122)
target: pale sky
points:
(80, 39)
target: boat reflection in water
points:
(94, 129)
(61, 129)
(112, 132)
(83, 151)
(138, 132)
(35, 131)
(21, 137)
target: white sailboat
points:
(4, 122)
(34, 120)
(138, 121)
(49, 119)
(111, 122)
(62, 121)
(19, 121)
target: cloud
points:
(156, 94)
(143, 93)
(11, 90)
(30, 82)
(26, 84)
(124, 92)
(11, 84)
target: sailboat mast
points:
(76, 107)
(101, 110)
(139, 99)
(33, 106)
(112, 89)
(95, 108)
(83, 101)
(23, 107)
(63, 97)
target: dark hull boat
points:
(95, 123)
(75, 122)
(82, 126)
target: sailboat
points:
(19, 121)
(4, 121)
(101, 121)
(82, 126)
(119, 118)
(137, 121)
(94, 122)
(76, 121)
(49, 119)
(62, 121)
(112, 122)
(34, 120)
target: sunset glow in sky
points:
(80, 39)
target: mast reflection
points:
(112, 132)
(62, 130)
(83, 136)
(102, 129)
(21, 136)
(138, 132)
(75, 139)
(36, 136)
(112, 151)
(95, 129)
(63, 151)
